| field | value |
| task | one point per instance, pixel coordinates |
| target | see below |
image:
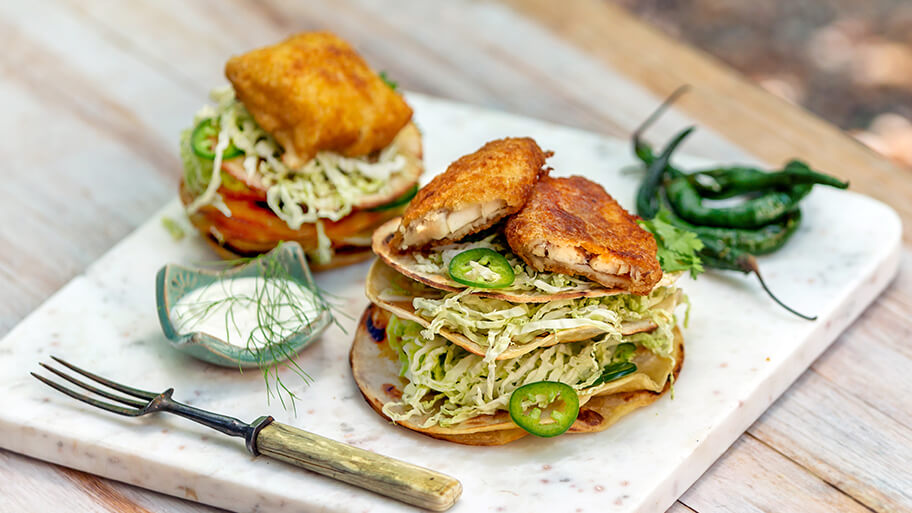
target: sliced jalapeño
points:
(205, 138)
(544, 408)
(483, 268)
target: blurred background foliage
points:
(848, 61)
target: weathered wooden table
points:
(94, 93)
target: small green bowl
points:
(174, 281)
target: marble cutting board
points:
(742, 353)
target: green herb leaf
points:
(282, 306)
(678, 249)
(390, 82)
(177, 233)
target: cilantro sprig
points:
(678, 250)
(389, 82)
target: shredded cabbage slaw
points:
(451, 385)
(496, 324)
(326, 187)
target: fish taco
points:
(503, 310)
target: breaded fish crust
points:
(313, 92)
(474, 192)
(572, 226)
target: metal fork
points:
(381, 474)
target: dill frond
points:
(284, 307)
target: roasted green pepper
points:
(544, 408)
(733, 181)
(647, 195)
(751, 214)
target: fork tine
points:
(135, 392)
(90, 388)
(129, 412)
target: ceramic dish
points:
(174, 281)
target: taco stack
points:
(311, 145)
(506, 302)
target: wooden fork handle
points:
(399, 480)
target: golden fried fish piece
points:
(474, 192)
(313, 92)
(572, 226)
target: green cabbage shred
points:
(450, 385)
(496, 324)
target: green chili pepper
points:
(731, 248)
(620, 365)
(733, 181)
(615, 371)
(717, 254)
(641, 149)
(752, 213)
(399, 201)
(761, 241)
(724, 248)
(647, 194)
(205, 138)
(544, 408)
(647, 203)
(462, 270)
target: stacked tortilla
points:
(441, 357)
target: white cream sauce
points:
(247, 312)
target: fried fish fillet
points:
(313, 92)
(474, 192)
(572, 226)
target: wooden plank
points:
(842, 440)
(32, 485)
(752, 477)
(99, 178)
(678, 507)
(768, 127)
(526, 70)
(872, 359)
(179, 40)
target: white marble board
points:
(742, 353)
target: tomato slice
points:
(544, 408)
(495, 271)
